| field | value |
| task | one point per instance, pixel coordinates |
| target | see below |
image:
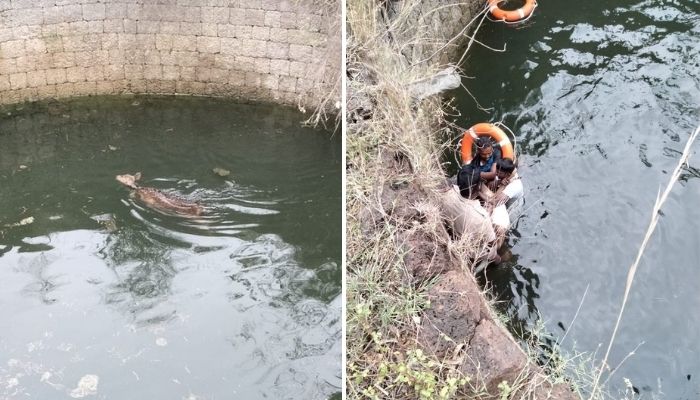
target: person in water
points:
(507, 186)
(485, 161)
(467, 217)
(500, 195)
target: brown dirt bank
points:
(418, 324)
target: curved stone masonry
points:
(282, 51)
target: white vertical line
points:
(343, 103)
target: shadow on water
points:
(242, 301)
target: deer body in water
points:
(154, 198)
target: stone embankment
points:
(283, 51)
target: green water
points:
(242, 302)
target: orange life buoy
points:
(485, 129)
(512, 15)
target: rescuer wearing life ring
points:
(485, 161)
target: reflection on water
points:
(602, 97)
(105, 297)
(506, 279)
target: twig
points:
(471, 39)
(461, 33)
(630, 354)
(575, 315)
(482, 108)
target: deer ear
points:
(137, 176)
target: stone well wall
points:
(284, 51)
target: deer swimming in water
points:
(154, 198)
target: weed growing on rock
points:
(327, 74)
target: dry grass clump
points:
(393, 151)
(328, 74)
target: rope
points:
(515, 140)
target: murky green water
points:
(602, 96)
(101, 295)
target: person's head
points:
(484, 147)
(504, 167)
(468, 179)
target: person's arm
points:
(485, 193)
(500, 199)
(491, 175)
(493, 185)
(491, 199)
(513, 189)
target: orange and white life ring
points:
(512, 15)
(485, 129)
